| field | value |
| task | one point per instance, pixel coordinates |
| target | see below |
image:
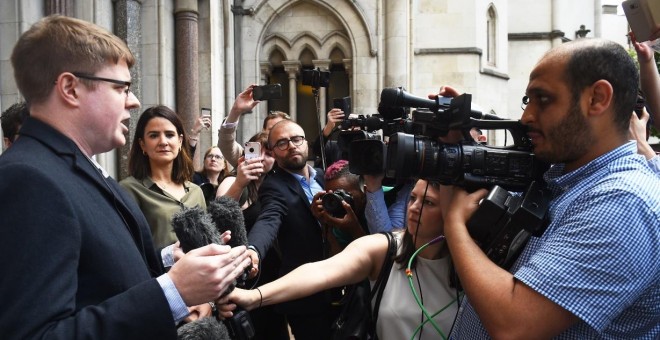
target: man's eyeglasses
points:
(283, 144)
(216, 157)
(114, 81)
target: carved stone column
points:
(127, 22)
(292, 68)
(348, 68)
(186, 33)
(64, 7)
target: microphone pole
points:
(317, 100)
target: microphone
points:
(398, 97)
(204, 328)
(194, 228)
(226, 214)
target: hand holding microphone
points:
(208, 269)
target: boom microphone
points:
(398, 97)
(227, 215)
(194, 228)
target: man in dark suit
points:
(79, 261)
(285, 197)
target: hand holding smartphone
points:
(206, 118)
(252, 150)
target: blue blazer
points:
(286, 217)
(78, 259)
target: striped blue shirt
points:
(600, 256)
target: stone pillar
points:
(186, 34)
(396, 43)
(127, 22)
(348, 68)
(266, 69)
(323, 65)
(292, 68)
(64, 7)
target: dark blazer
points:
(286, 217)
(78, 259)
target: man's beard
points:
(292, 164)
(570, 139)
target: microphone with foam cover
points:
(226, 213)
(194, 228)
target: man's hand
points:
(335, 116)
(638, 133)
(205, 273)
(458, 206)
(254, 259)
(197, 312)
(317, 206)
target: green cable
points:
(419, 328)
(421, 306)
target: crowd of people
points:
(108, 264)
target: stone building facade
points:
(200, 53)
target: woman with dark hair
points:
(421, 251)
(160, 170)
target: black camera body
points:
(267, 92)
(343, 104)
(504, 222)
(332, 202)
(240, 325)
(315, 78)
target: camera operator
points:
(340, 208)
(594, 272)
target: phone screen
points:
(206, 111)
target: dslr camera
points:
(332, 202)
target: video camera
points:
(504, 221)
(416, 152)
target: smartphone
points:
(266, 92)
(344, 104)
(206, 112)
(252, 150)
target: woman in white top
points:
(399, 314)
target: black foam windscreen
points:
(194, 228)
(203, 329)
(227, 215)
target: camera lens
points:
(251, 149)
(421, 157)
(332, 204)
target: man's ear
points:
(66, 87)
(601, 94)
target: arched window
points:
(491, 36)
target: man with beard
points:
(594, 272)
(286, 219)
